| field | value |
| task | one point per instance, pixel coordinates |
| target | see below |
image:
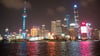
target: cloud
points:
(61, 9)
(17, 4)
(51, 12)
(85, 3)
(56, 10)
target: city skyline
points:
(43, 12)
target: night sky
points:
(43, 11)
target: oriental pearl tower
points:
(24, 20)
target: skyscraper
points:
(76, 15)
(34, 31)
(58, 27)
(53, 27)
(43, 30)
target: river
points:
(68, 48)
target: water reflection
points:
(32, 49)
(16, 49)
(62, 49)
(3, 49)
(51, 49)
(85, 49)
(69, 48)
(95, 48)
(42, 48)
(73, 48)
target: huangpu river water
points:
(68, 48)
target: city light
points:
(34, 31)
(88, 24)
(33, 38)
(20, 30)
(75, 6)
(24, 35)
(63, 35)
(72, 24)
(83, 29)
(6, 30)
(24, 16)
(50, 35)
(83, 23)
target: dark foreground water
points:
(69, 48)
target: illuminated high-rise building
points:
(84, 31)
(24, 20)
(88, 25)
(76, 15)
(76, 18)
(58, 27)
(34, 31)
(43, 30)
(46, 34)
(53, 27)
(43, 27)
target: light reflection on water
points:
(69, 48)
(16, 49)
(51, 47)
(85, 49)
(32, 49)
(74, 49)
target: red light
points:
(83, 23)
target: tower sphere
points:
(75, 6)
